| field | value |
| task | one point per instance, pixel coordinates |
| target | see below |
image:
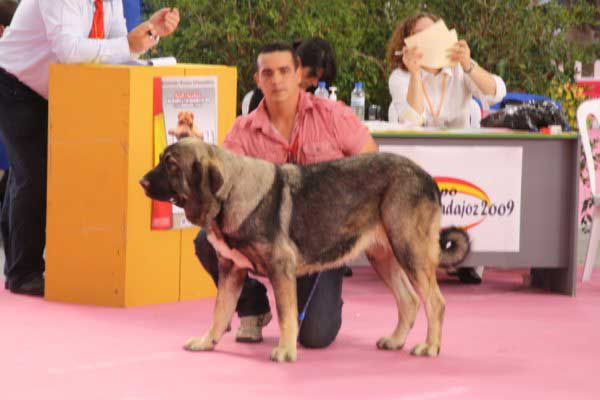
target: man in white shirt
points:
(44, 32)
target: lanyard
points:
(435, 114)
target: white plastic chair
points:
(246, 102)
(590, 107)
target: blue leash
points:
(302, 315)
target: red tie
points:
(97, 31)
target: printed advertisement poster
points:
(183, 107)
(480, 188)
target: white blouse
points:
(56, 31)
(456, 104)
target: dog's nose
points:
(145, 183)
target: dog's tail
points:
(455, 245)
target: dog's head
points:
(185, 126)
(189, 174)
(186, 118)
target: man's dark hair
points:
(317, 53)
(7, 10)
(278, 46)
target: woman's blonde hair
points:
(402, 31)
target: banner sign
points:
(480, 190)
(183, 107)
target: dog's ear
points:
(215, 169)
(196, 175)
(215, 176)
(211, 171)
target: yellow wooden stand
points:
(99, 248)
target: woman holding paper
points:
(433, 83)
(434, 78)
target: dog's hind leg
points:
(231, 281)
(426, 285)
(385, 264)
(414, 239)
(424, 259)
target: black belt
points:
(18, 85)
(7, 74)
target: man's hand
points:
(142, 38)
(165, 21)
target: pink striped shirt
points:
(323, 130)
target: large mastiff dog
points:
(287, 220)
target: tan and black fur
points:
(290, 220)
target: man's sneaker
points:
(250, 330)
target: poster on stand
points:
(183, 107)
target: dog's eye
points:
(171, 167)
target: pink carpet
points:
(501, 341)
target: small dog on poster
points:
(186, 126)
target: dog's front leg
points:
(284, 287)
(231, 281)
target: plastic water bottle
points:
(357, 101)
(322, 90)
(332, 94)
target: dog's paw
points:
(203, 343)
(281, 354)
(389, 343)
(426, 350)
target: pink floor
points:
(501, 341)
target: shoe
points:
(32, 287)
(469, 276)
(250, 330)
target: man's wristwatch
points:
(471, 66)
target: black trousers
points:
(24, 134)
(324, 314)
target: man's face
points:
(277, 76)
